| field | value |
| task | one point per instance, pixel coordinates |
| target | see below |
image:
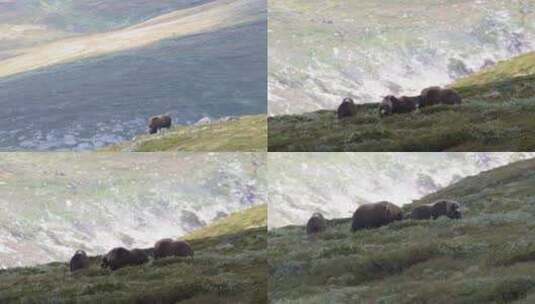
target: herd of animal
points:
(121, 257)
(383, 213)
(405, 104)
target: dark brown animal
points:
(79, 261)
(392, 105)
(411, 101)
(436, 95)
(450, 97)
(168, 247)
(316, 224)
(446, 208)
(423, 212)
(375, 215)
(159, 122)
(430, 96)
(346, 109)
(121, 257)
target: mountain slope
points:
(320, 52)
(335, 183)
(247, 133)
(497, 115)
(229, 267)
(203, 18)
(93, 102)
(52, 203)
(487, 257)
(251, 218)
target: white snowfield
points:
(201, 19)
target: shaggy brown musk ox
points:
(423, 212)
(168, 247)
(436, 210)
(436, 95)
(79, 261)
(120, 257)
(159, 122)
(446, 208)
(392, 105)
(375, 215)
(316, 224)
(346, 109)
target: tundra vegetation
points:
(246, 133)
(488, 256)
(496, 114)
(229, 267)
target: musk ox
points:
(120, 257)
(159, 122)
(79, 261)
(436, 95)
(375, 215)
(168, 247)
(392, 105)
(346, 109)
(316, 224)
(446, 208)
(436, 210)
(423, 212)
(450, 97)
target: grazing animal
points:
(375, 215)
(120, 257)
(436, 95)
(346, 109)
(423, 212)
(430, 96)
(316, 224)
(159, 122)
(168, 247)
(411, 100)
(450, 97)
(446, 208)
(392, 105)
(79, 261)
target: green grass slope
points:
(487, 257)
(254, 217)
(246, 134)
(497, 115)
(229, 267)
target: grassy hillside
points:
(487, 257)
(253, 218)
(248, 133)
(229, 267)
(497, 115)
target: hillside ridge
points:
(228, 267)
(496, 115)
(487, 256)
